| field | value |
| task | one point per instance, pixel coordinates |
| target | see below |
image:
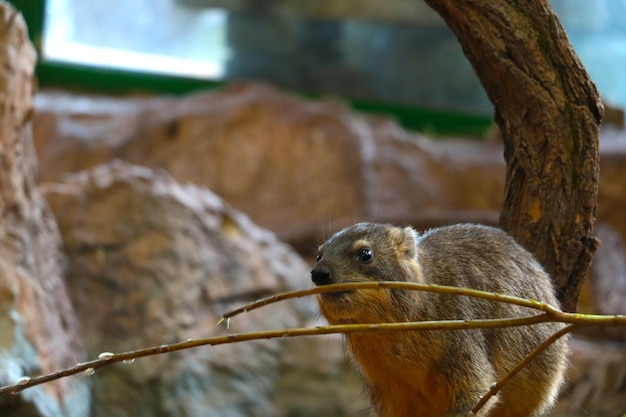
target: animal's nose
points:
(321, 275)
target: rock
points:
(317, 381)
(596, 381)
(342, 167)
(607, 284)
(260, 149)
(37, 322)
(153, 262)
(611, 197)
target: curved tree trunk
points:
(549, 113)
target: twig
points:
(107, 358)
(551, 314)
(440, 289)
(556, 314)
(549, 311)
(532, 355)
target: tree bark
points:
(549, 113)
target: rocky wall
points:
(38, 326)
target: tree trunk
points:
(549, 113)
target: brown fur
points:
(441, 373)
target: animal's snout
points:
(321, 275)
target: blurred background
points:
(392, 57)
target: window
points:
(158, 36)
(396, 55)
(298, 46)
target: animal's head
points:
(365, 252)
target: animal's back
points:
(487, 259)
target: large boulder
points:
(37, 322)
(153, 262)
(596, 380)
(293, 165)
(298, 167)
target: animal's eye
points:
(365, 255)
(318, 257)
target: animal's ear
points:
(410, 241)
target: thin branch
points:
(440, 289)
(107, 358)
(532, 355)
(549, 311)
(556, 314)
(550, 314)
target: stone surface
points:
(322, 164)
(596, 382)
(260, 149)
(37, 323)
(611, 198)
(607, 290)
(154, 262)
